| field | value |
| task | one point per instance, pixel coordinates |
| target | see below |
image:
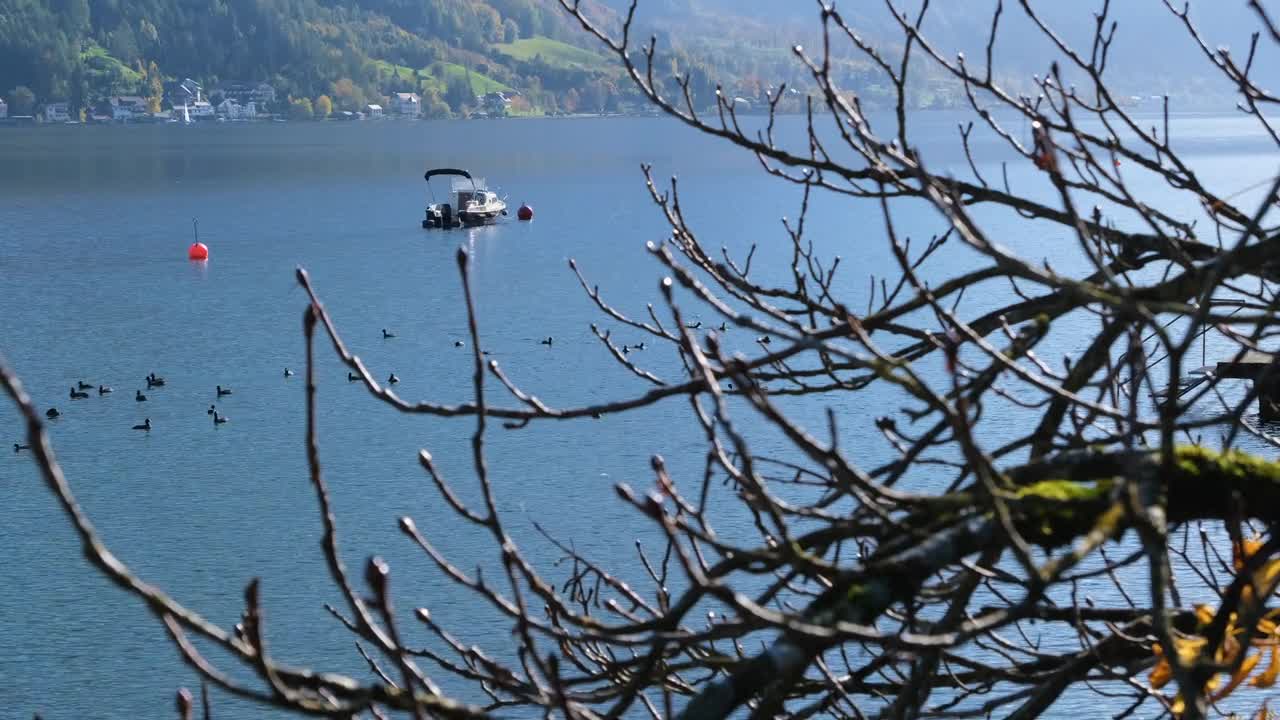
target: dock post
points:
(1263, 368)
(1269, 397)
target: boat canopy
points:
(446, 171)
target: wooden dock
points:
(1253, 366)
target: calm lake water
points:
(94, 285)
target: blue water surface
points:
(95, 285)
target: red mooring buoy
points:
(525, 212)
(198, 250)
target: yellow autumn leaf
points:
(1188, 648)
(1267, 574)
(1204, 614)
(1230, 648)
(1238, 677)
(1267, 678)
(1242, 551)
(1160, 674)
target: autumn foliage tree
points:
(323, 107)
(946, 577)
(155, 88)
(300, 109)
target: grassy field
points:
(480, 84)
(553, 52)
(105, 72)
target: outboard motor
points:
(446, 215)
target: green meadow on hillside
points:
(552, 52)
(480, 83)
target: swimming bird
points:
(393, 379)
(219, 419)
(547, 341)
(146, 425)
(223, 391)
(457, 343)
(139, 396)
(154, 380)
(19, 448)
(724, 327)
(52, 413)
(103, 390)
(764, 340)
(77, 395)
(84, 385)
(351, 377)
(640, 346)
(288, 372)
(694, 325)
(212, 409)
(386, 335)
(626, 350)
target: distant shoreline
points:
(1205, 110)
(29, 121)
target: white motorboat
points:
(470, 202)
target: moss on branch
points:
(1208, 484)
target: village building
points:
(262, 95)
(128, 107)
(373, 112)
(200, 110)
(56, 112)
(184, 92)
(103, 112)
(231, 109)
(495, 103)
(406, 105)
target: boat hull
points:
(442, 216)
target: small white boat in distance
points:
(470, 202)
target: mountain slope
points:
(358, 50)
(303, 46)
(1152, 49)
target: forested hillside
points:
(81, 50)
(358, 51)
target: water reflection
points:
(199, 269)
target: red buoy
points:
(525, 212)
(198, 251)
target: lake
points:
(95, 285)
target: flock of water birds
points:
(82, 389)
